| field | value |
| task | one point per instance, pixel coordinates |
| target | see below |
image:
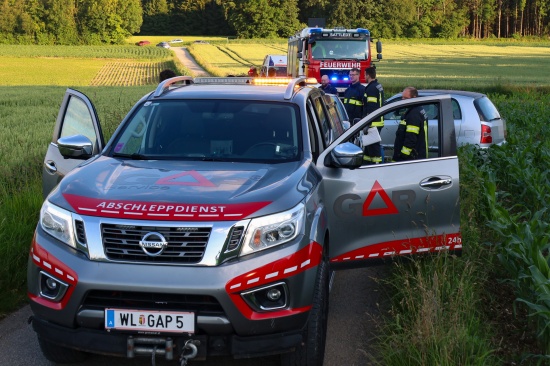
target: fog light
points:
(50, 287)
(273, 294)
(51, 284)
(268, 298)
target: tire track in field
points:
(234, 56)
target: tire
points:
(312, 353)
(59, 354)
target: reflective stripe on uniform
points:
(352, 101)
(374, 159)
(426, 136)
(378, 124)
(406, 150)
(413, 129)
(372, 99)
(403, 122)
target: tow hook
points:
(189, 352)
(150, 346)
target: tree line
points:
(112, 21)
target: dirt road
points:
(189, 62)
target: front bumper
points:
(116, 344)
(224, 322)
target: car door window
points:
(316, 141)
(78, 120)
(323, 120)
(392, 121)
(336, 122)
(457, 113)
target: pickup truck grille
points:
(185, 244)
(200, 304)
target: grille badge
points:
(153, 244)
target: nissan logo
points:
(153, 244)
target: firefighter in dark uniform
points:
(374, 98)
(354, 96)
(411, 138)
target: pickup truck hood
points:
(182, 190)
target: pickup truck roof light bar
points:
(166, 84)
(223, 80)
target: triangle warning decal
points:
(388, 210)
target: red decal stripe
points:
(404, 247)
(57, 269)
(139, 210)
(306, 258)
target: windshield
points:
(218, 130)
(340, 49)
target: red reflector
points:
(486, 137)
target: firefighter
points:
(326, 87)
(253, 71)
(411, 136)
(354, 96)
(374, 97)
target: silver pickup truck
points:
(211, 221)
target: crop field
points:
(83, 65)
(468, 66)
(453, 66)
(128, 73)
(118, 52)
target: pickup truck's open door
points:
(77, 116)
(390, 209)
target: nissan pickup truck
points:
(212, 220)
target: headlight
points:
(269, 231)
(58, 223)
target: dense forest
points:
(112, 21)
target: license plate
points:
(151, 321)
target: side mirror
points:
(75, 147)
(346, 155)
(379, 47)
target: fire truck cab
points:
(314, 52)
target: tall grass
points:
(516, 189)
(441, 308)
(28, 116)
(436, 318)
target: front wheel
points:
(60, 354)
(312, 353)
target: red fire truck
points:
(315, 52)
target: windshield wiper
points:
(134, 156)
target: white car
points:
(177, 40)
(477, 120)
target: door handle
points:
(50, 167)
(436, 182)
